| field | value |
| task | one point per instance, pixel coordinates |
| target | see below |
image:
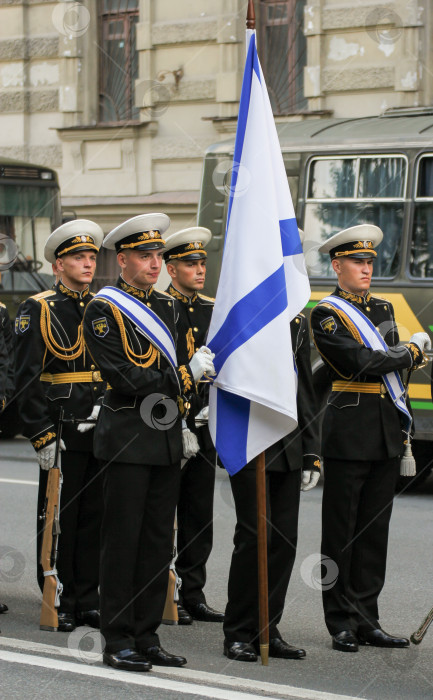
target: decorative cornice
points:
(34, 47)
(338, 80)
(168, 149)
(187, 32)
(351, 15)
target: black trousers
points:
(137, 531)
(80, 524)
(195, 524)
(356, 510)
(283, 493)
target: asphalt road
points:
(36, 664)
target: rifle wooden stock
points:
(170, 616)
(52, 587)
(49, 618)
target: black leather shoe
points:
(280, 649)
(184, 616)
(89, 617)
(66, 622)
(3, 608)
(379, 638)
(159, 657)
(345, 641)
(127, 660)
(203, 613)
(239, 651)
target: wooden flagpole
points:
(262, 556)
(262, 548)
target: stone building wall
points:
(362, 57)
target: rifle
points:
(51, 530)
(418, 636)
(170, 615)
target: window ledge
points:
(100, 132)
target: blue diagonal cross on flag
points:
(263, 285)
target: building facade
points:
(122, 97)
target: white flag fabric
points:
(263, 285)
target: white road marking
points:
(19, 481)
(185, 680)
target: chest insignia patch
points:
(24, 324)
(328, 325)
(100, 327)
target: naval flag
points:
(263, 285)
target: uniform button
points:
(195, 329)
(95, 388)
(51, 303)
(297, 320)
(367, 308)
(92, 367)
(385, 307)
(149, 304)
(81, 303)
(190, 309)
(169, 303)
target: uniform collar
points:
(354, 298)
(63, 289)
(134, 291)
(182, 297)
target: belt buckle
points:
(382, 390)
(96, 376)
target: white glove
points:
(84, 427)
(202, 417)
(47, 455)
(309, 480)
(422, 340)
(201, 362)
(189, 442)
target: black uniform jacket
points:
(7, 363)
(128, 429)
(299, 449)
(194, 319)
(360, 426)
(48, 331)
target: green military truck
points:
(343, 172)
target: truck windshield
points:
(346, 191)
(28, 214)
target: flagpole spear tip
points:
(251, 15)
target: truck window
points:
(421, 252)
(343, 191)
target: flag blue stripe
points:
(249, 315)
(290, 237)
(244, 106)
(233, 413)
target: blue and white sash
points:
(144, 319)
(373, 340)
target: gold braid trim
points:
(186, 379)
(190, 343)
(40, 442)
(345, 320)
(57, 350)
(148, 358)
